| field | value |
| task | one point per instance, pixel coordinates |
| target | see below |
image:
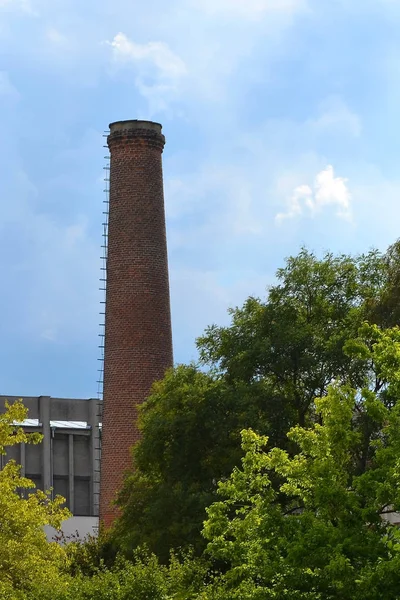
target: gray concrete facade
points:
(68, 458)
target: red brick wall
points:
(138, 340)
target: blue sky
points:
(282, 127)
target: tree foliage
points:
(27, 560)
(140, 578)
(312, 523)
(31, 568)
(263, 371)
(190, 427)
(277, 458)
(322, 532)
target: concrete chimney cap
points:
(135, 124)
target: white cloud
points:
(159, 70)
(157, 54)
(20, 5)
(55, 36)
(220, 202)
(208, 294)
(303, 193)
(63, 272)
(52, 256)
(335, 115)
(6, 87)
(49, 335)
(250, 8)
(328, 190)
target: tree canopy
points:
(264, 372)
(313, 523)
(323, 531)
(28, 561)
(277, 458)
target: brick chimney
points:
(138, 339)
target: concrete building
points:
(68, 459)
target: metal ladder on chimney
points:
(103, 278)
(102, 288)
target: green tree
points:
(383, 306)
(190, 429)
(27, 561)
(141, 578)
(293, 342)
(263, 371)
(322, 532)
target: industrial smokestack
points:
(138, 339)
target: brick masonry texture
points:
(138, 339)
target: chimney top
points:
(135, 124)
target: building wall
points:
(68, 459)
(74, 529)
